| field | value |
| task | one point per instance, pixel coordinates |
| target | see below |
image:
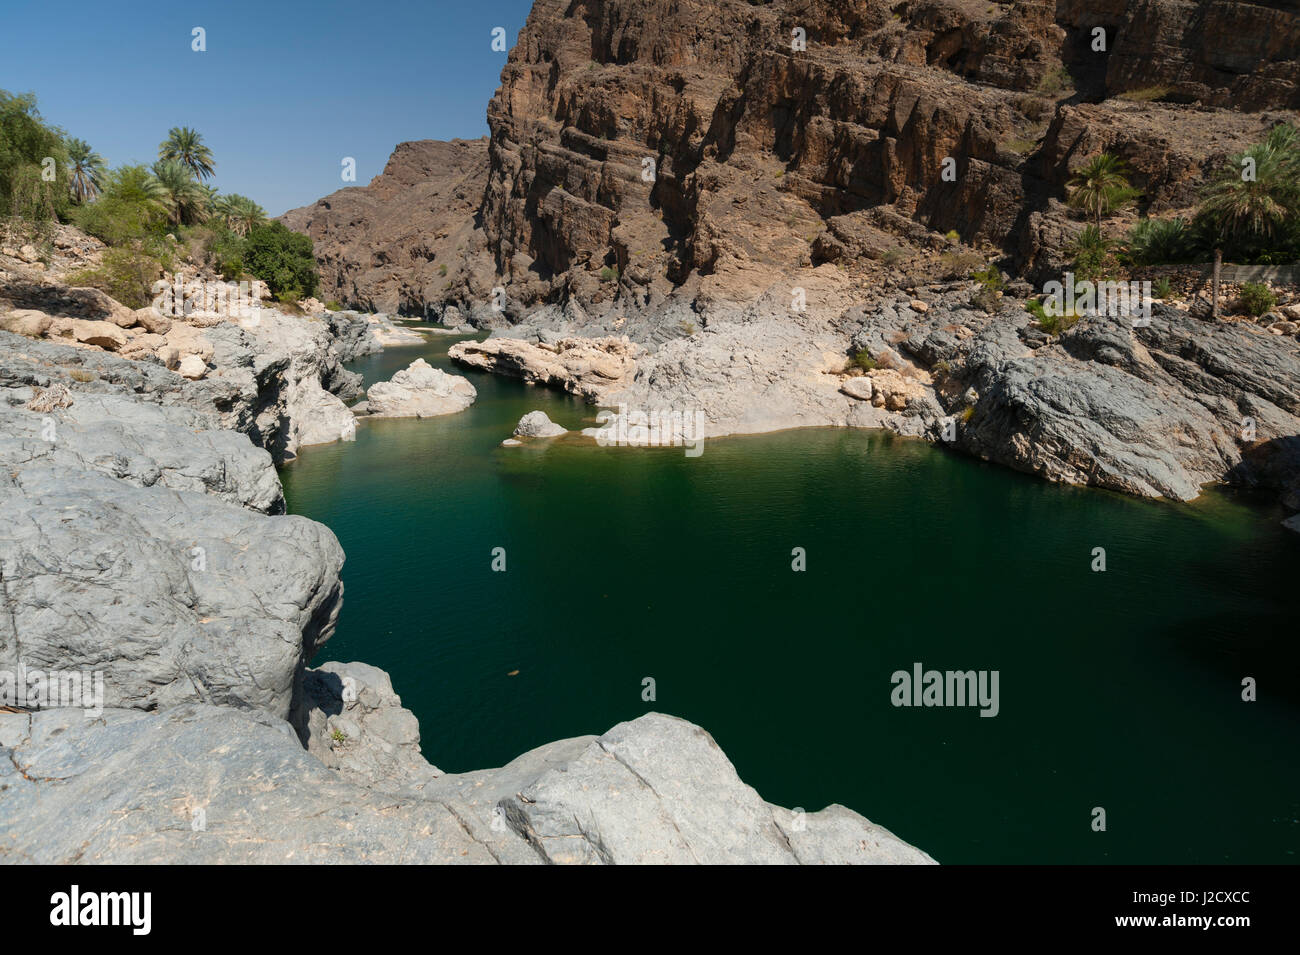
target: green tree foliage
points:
(185, 146)
(86, 170)
(1252, 207)
(281, 258)
(239, 213)
(1101, 187)
(34, 181)
(131, 209)
(187, 201)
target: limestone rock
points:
(192, 367)
(25, 321)
(143, 444)
(536, 424)
(322, 418)
(586, 367)
(152, 320)
(354, 723)
(201, 784)
(104, 335)
(173, 595)
(420, 391)
(859, 388)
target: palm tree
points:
(186, 147)
(1246, 212)
(1101, 187)
(87, 170)
(186, 201)
(240, 213)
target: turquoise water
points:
(1119, 690)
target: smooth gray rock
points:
(353, 336)
(1157, 411)
(206, 784)
(352, 721)
(202, 784)
(175, 596)
(144, 444)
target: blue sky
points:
(285, 90)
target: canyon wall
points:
(641, 146)
(760, 142)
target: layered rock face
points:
(1242, 56)
(678, 139)
(409, 240)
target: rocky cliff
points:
(410, 239)
(682, 139)
(645, 151)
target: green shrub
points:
(282, 259)
(1159, 242)
(126, 274)
(959, 265)
(608, 274)
(1056, 80)
(1162, 288)
(442, 270)
(1147, 94)
(1256, 298)
(990, 277)
(1052, 324)
(1089, 250)
(862, 360)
